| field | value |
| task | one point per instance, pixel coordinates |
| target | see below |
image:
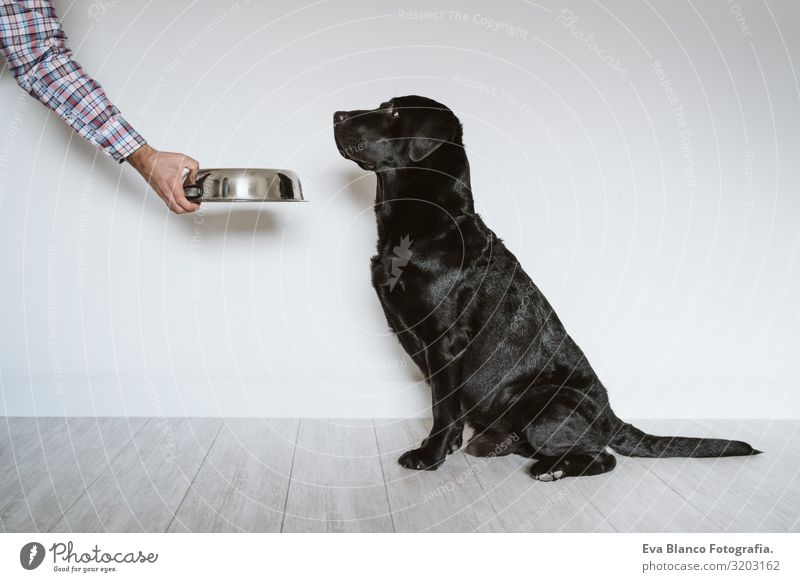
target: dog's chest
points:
(403, 268)
(415, 278)
(394, 273)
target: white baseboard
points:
(220, 399)
(336, 399)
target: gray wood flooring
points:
(230, 475)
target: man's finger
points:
(175, 208)
(169, 200)
(194, 167)
(180, 199)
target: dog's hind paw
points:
(574, 465)
(547, 474)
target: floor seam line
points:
(100, 474)
(291, 473)
(383, 475)
(199, 467)
(483, 490)
(687, 501)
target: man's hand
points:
(164, 172)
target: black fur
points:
(489, 343)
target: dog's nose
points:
(339, 116)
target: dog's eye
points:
(393, 112)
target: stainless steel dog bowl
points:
(244, 185)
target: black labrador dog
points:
(491, 346)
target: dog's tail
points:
(632, 442)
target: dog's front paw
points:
(421, 459)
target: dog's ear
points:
(421, 147)
(437, 129)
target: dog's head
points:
(401, 133)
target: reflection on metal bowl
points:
(244, 185)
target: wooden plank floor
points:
(231, 475)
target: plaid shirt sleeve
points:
(35, 48)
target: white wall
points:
(667, 242)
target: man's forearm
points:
(35, 47)
(141, 158)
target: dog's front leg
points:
(448, 423)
